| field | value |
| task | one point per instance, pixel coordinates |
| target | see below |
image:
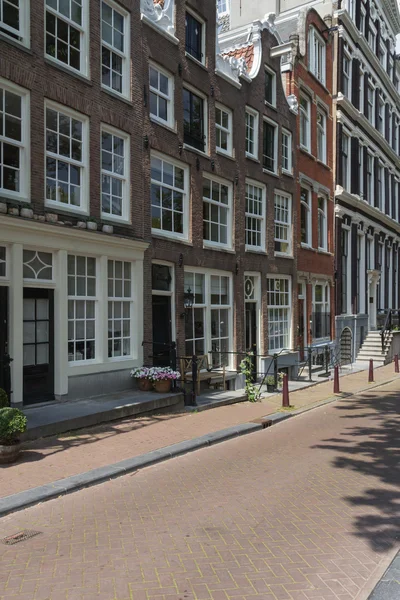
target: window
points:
(370, 179)
(115, 48)
(322, 223)
(251, 133)
(3, 261)
(371, 104)
(305, 123)
(209, 325)
(283, 223)
(217, 219)
(81, 308)
(194, 120)
(381, 186)
(270, 87)
(361, 171)
(381, 116)
(161, 96)
(270, 149)
(169, 197)
(346, 75)
(372, 38)
(194, 37)
(223, 7)
(345, 158)
(317, 50)
(305, 216)
(119, 308)
(37, 265)
(321, 318)
(382, 54)
(14, 142)
(66, 155)
(66, 38)
(255, 216)
(115, 169)
(279, 313)
(286, 151)
(14, 19)
(344, 254)
(321, 136)
(362, 19)
(223, 129)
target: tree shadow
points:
(372, 448)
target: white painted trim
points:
(229, 112)
(126, 69)
(126, 198)
(16, 311)
(256, 116)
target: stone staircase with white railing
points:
(372, 348)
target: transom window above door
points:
(37, 265)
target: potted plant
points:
(142, 376)
(270, 381)
(12, 424)
(3, 399)
(162, 378)
(91, 223)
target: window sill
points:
(322, 84)
(287, 173)
(211, 246)
(323, 251)
(7, 197)
(283, 255)
(306, 246)
(115, 220)
(162, 124)
(192, 149)
(113, 94)
(255, 250)
(323, 164)
(17, 44)
(225, 154)
(65, 209)
(197, 62)
(54, 63)
(169, 236)
(252, 157)
(273, 106)
(307, 152)
(273, 173)
(160, 30)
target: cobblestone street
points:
(305, 510)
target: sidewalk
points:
(49, 459)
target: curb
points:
(388, 587)
(21, 500)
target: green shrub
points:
(3, 399)
(12, 424)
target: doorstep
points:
(215, 398)
(60, 417)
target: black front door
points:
(38, 338)
(5, 374)
(251, 333)
(161, 330)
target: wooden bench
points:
(204, 371)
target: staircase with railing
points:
(378, 343)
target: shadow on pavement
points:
(374, 451)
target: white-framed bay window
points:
(286, 151)
(283, 223)
(120, 306)
(255, 194)
(251, 120)
(317, 54)
(115, 48)
(82, 308)
(279, 313)
(115, 174)
(169, 197)
(14, 141)
(66, 33)
(209, 326)
(14, 20)
(161, 88)
(217, 212)
(67, 151)
(223, 129)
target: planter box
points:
(107, 229)
(91, 225)
(9, 454)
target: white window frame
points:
(287, 140)
(325, 303)
(226, 9)
(308, 207)
(371, 103)
(275, 157)
(361, 170)
(198, 18)
(125, 55)
(5, 261)
(347, 73)
(113, 299)
(169, 98)
(228, 131)
(84, 165)
(186, 198)
(196, 92)
(382, 54)
(322, 133)
(21, 35)
(380, 125)
(370, 191)
(323, 215)
(24, 145)
(282, 224)
(372, 36)
(255, 115)
(346, 179)
(305, 118)
(279, 308)
(317, 55)
(273, 74)
(86, 298)
(253, 216)
(229, 209)
(381, 186)
(84, 37)
(362, 18)
(126, 187)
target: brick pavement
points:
(49, 459)
(307, 510)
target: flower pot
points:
(91, 225)
(27, 213)
(81, 225)
(9, 453)
(107, 228)
(145, 385)
(163, 386)
(270, 388)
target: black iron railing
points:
(392, 320)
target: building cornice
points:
(378, 218)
